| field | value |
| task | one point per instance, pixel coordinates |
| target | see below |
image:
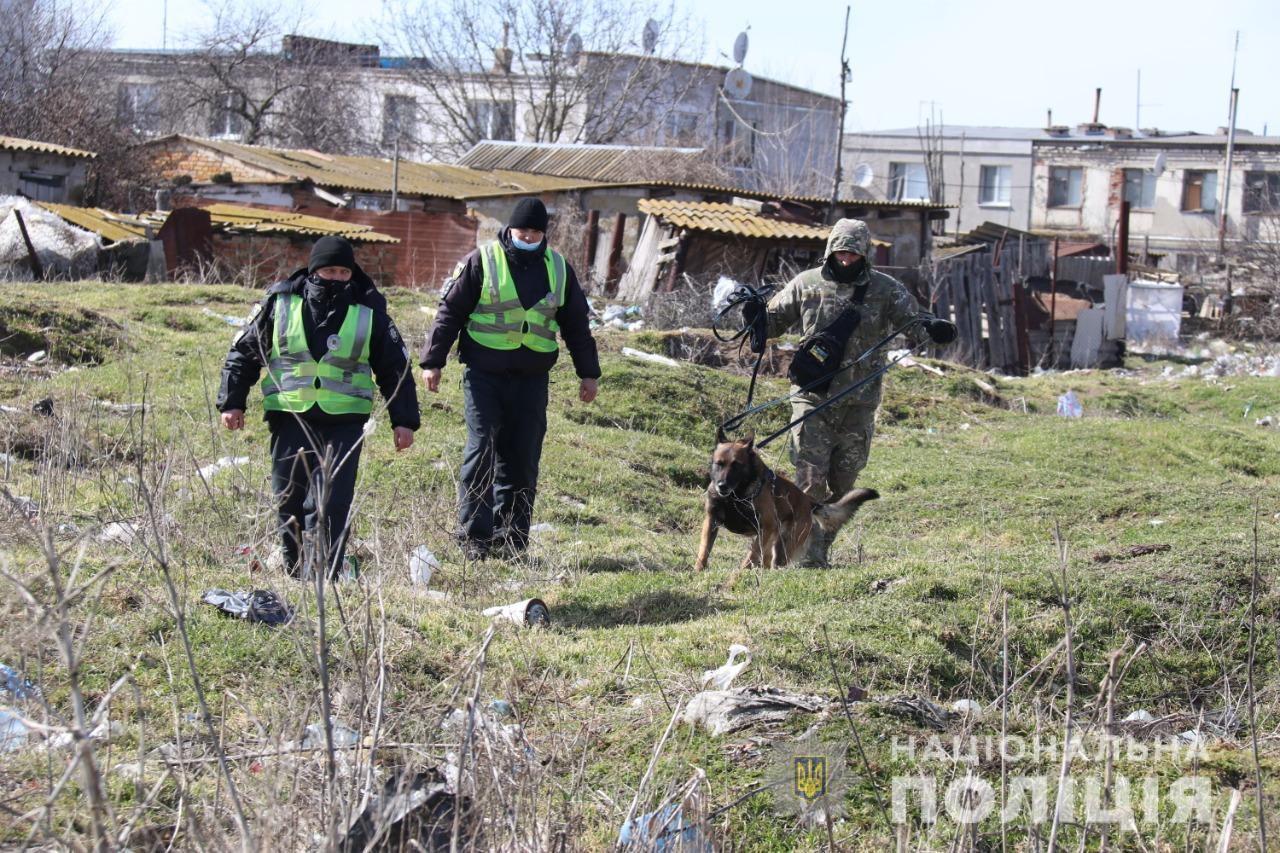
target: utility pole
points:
(844, 106)
(1226, 183)
(395, 171)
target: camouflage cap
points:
(849, 235)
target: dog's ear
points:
(721, 438)
(751, 440)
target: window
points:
(227, 118)
(908, 182)
(1200, 191)
(681, 128)
(493, 119)
(1140, 188)
(1262, 192)
(399, 118)
(1064, 186)
(995, 184)
(138, 106)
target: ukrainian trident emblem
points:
(810, 776)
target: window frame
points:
(1187, 183)
(487, 115)
(1007, 201)
(1146, 188)
(1270, 190)
(1069, 203)
(900, 180)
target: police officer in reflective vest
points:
(505, 303)
(325, 339)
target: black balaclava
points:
(843, 274)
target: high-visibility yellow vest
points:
(499, 321)
(340, 383)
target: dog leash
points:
(754, 334)
(734, 422)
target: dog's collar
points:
(760, 484)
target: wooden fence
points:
(982, 292)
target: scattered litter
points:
(43, 407)
(260, 605)
(13, 732)
(543, 527)
(903, 359)
(1193, 737)
(721, 292)
(1156, 522)
(613, 312)
(370, 426)
(119, 533)
(1069, 405)
(886, 584)
(422, 564)
(37, 357)
(650, 357)
(664, 831)
(532, 612)
(502, 708)
(1267, 421)
(105, 730)
(342, 735)
(410, 814)
(916, 708)
(13, 682)
(968, 708)
(722, 678)
(1129, 553)
(225, 462)
(1139, 716)
(120, 408)
(226, 318)
(724, 711)
(27, 506)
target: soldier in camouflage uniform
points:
(830, 448)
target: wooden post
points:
(615, 253)
(37, 268)
(1053, 306)
(589, 248)
(677, 262)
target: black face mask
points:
(843, 274)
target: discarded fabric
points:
(225, 462)
(650, 357)
(261, 606)
(1069, 405)
(410, 814)
(422, 565)
(13, 682)
(722, 678)
(664, 831)
(532, 612)
(724, 711)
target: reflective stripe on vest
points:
(499, 321)
(340, 383)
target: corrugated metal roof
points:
(13, 143)
(364, 174)
(732, 219)
(228, 218)
(607, 163)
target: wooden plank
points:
(995, 341)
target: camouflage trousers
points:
(831, 448)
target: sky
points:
(967, 62)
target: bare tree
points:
(544, 70)
(255, 81)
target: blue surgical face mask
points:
(520, 244)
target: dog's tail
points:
(832, 516)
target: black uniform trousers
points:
(506, 417)
(306, 460)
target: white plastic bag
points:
(422, 565)
(1069, 405)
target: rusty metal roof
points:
(606, 163)
(733, 220)
(13, 143)
(258, 165)
(225, 218)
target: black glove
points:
(751, 311)
(942, 331)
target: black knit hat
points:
(332, 251)
(529, 213)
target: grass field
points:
(955, 563)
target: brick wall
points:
(263, 259)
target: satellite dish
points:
(1157, 167)
(863, 175)
(573, 48)
(652, 29)
(740, 47)
(737, 84)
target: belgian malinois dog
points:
(750, 499)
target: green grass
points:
(972, 490)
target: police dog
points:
(750, 499)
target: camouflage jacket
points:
(813, 299)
